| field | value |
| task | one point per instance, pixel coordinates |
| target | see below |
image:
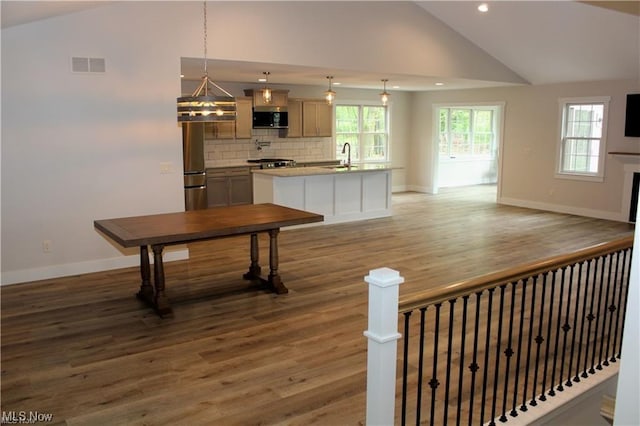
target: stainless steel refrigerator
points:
(195, 176)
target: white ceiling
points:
(542, 41)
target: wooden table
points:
(161, 230)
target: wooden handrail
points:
(476, 284)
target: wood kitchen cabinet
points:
(244, 118)
(317, 118)
(295, 118)
(239, 129)
(229, 186)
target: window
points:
(582, 138)
(467, 132)
(365, 128)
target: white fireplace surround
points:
(631, 166)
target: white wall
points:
(530, 134)
(79, 147)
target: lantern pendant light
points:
(330, 95)
(266, 92)
(203, 105)
(384, 96)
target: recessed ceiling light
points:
(395, 87)
(483, 7)
(336, 83)
(181, 75)
(439, 84)
(262, 80)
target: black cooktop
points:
(268, 160)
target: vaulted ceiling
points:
(541, 41)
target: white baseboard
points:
(424, 189)
(556, 208)
(56, 271)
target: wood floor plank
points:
(86, 350)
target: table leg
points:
(161, 302)
(274, 278)
(146, 289)
(254, 268)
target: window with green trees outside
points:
(365, 128)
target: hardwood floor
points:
(84, 349)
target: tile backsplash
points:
(267, 143)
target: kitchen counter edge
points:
(323, 170)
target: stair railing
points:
(488, 348)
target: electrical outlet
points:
(166, 168)
(46, 246)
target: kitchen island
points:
(339, 193)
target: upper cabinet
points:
(317, 118)
(239, 129)
(295, 118)
(244, 118)
(279, 98)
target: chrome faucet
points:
(344, 148)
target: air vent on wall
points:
(79, 64)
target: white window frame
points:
(361, 105)
(564, 103)
(494, 108)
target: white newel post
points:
(382, 334)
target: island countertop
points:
(324, 170)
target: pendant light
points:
(266, 92)
(384, 96)
(330, 95)
(203, 105)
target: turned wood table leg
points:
(274, 278)
(254, 268)
(146, 289)
(161, 302)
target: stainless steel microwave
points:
(270, 119)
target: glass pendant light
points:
(384, 96)
(203, 105)
(266, 92)
(330, 95)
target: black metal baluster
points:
(626, 296)
(508, 353)
(497, 367)
(473, 367)
(405, 368)
(569, 382)
(434, 383)
(552, 391)
(463, 334)
(528, 363)
(539, 338)
(486, 355)
(613, 309)
(604, 316)
(543, 396)
(514, 412)
(584, 308)
(449, 351)
(420, 366)
(597, 318)
(590, 318)
(618, 288)
(613, 284)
